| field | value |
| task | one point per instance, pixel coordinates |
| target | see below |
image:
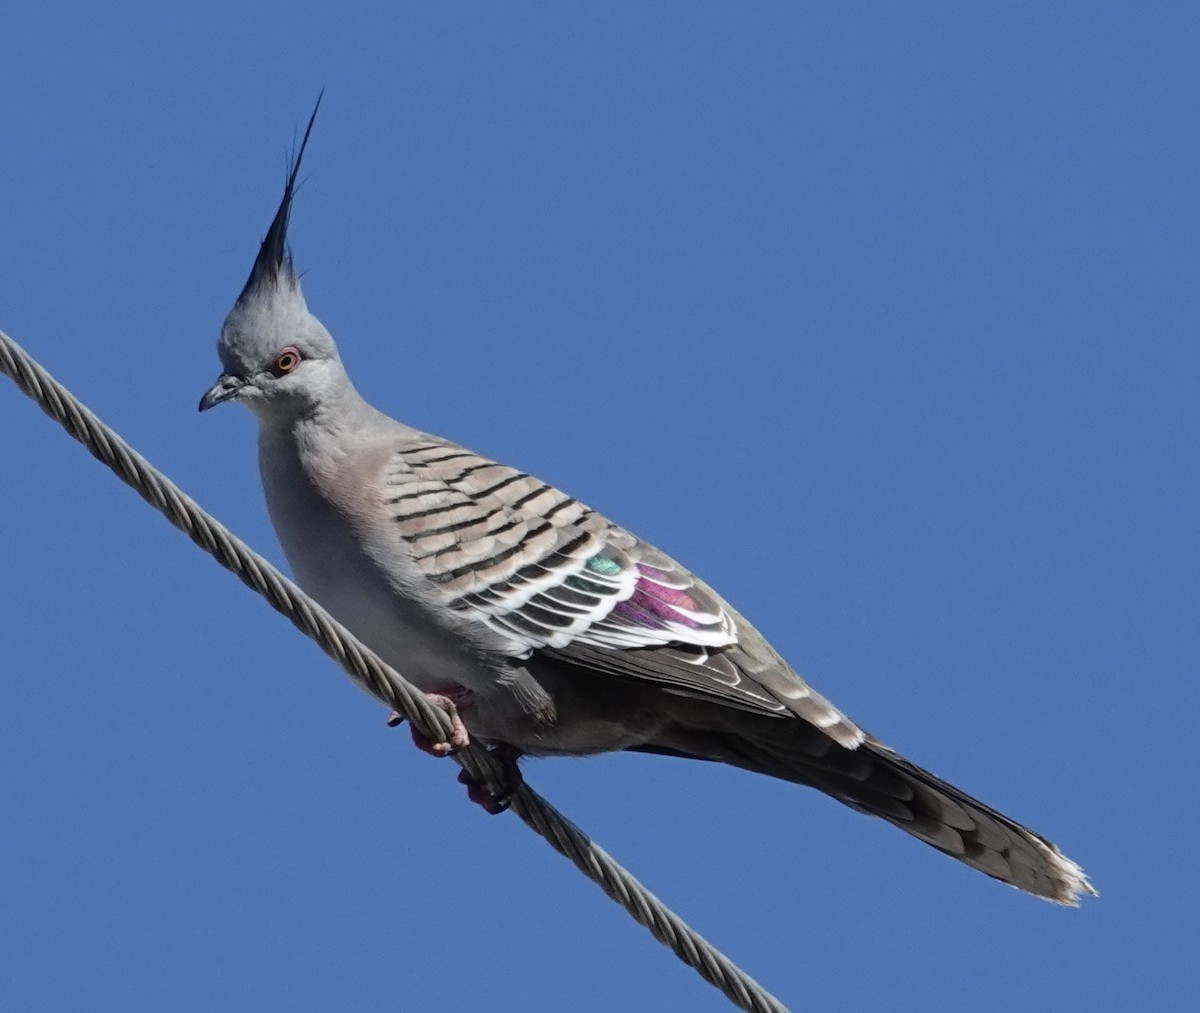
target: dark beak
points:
(226, 387)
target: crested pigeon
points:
(542, 627)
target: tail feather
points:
(878, 781)
(974, 833)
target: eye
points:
(286, 361)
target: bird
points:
(540, 626)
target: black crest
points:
(274, 259)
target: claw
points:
(496, 802)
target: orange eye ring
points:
(286, 361)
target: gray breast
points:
(330, 561)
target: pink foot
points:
(450, 702)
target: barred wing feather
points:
(549, 574)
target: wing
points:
(548, 574)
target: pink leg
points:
(449, 701)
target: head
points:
(275, 355)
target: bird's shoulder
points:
(469, 521)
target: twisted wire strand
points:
(365, 668)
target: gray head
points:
(276, 356)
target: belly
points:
(592, 715)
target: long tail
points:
(878, 781)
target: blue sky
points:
(881, 317)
